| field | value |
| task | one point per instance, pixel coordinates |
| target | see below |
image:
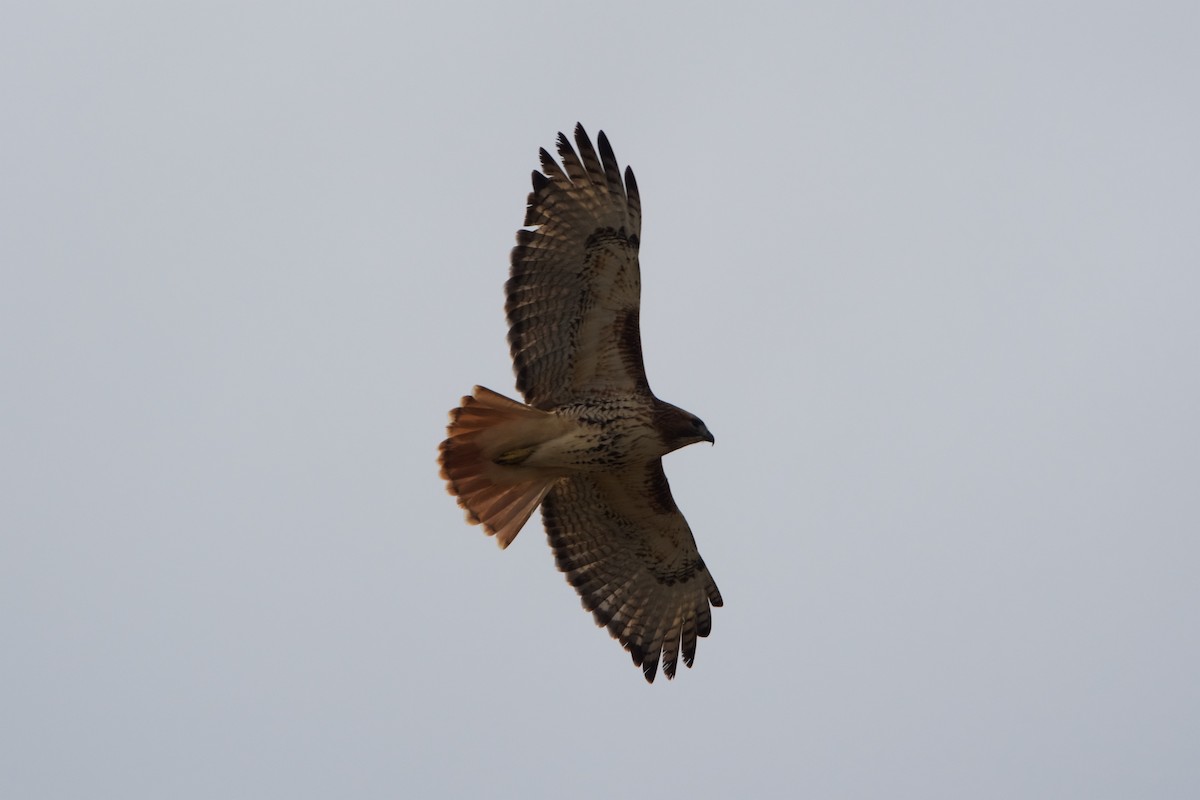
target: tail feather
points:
(480, 468)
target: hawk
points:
(588, 442)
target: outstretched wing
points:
(628, 551)
(575, 286)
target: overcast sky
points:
(930, 273)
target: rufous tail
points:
(488, 440)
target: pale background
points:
(930, 272)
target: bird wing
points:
(575, 287)
(628, 551)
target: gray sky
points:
(930, 272)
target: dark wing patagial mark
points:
(575, 278)
(658, 490)
(629, 345)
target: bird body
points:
(587, 445)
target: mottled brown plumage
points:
(588, 444)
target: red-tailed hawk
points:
(588, 447)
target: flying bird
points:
(588, 442)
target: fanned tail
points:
(488, 438)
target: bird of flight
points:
(588, 442)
